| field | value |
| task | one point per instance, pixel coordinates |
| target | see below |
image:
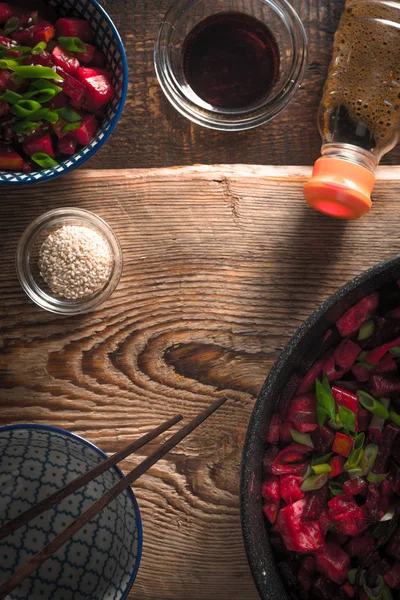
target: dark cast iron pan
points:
(296, 358)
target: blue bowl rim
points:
(116, 468)
(113, 123)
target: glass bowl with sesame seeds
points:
(69, 261)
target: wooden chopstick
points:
(32, 564)
(41, 507)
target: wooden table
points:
(222, 264)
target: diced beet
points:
(271, 510)
(395, 480)
(309, 564)
(393, 314)
(285, 434)
(270, 455)
(41, 143)
(71, 27)
(99, 60)
(10, 160)
(327, 336)
(290, 488)
(346, 354)
(40, 32)
(65, 60)
(25, 15)
(5, 12)
(274, 429)
(59, 101)
(393, 547)
(316, 503)
(373, 503)
(308, 382)
(352, 319)
(291, 460)
(364, 417)
(386, 365)
(322, 439)
(340, 505)
(4, 108)
(352, 523)
(329, 366)
(71, 86)
(271, 489)
(6, 82)
(99, 90)
(390, 435)
(88, 55)
(86, 131)
(302, 413)
(299, 535)
(360, 546)
(355, 486)
(346, 399)
(342, 444)
(392, 577)
(58, 128)
(324, 522)
(381, 385)
(337, 465)
(304, 580)
(333, 562)
(67, 146)
(349, 590)
(27, 167)
(361, 373)
(323, 589)
(396, 451)
(287, 394)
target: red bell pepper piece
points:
(376, 355)
(302, 413)
(86, 131)
(88, 55)
(65, 60)
(72, 27)
(308, 382)
(299, 535)
(271, 510)
(41, 143)
(291, 460)
(10, 160)
(346, 354)
(333, 562)
(337, 465)
(274, 428)
(271, 489)
(343, 444)
(290, 488)
(352, 319)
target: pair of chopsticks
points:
(34, 563)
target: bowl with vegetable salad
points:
(63, 85)
(321, 467)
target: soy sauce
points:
(231, 60)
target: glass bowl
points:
(27, 260)
(282, 21)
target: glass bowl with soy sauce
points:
(230, 64)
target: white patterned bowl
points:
(101, 561)
(107, 38)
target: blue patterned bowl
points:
(101, 561)
(107, 38)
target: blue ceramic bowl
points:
(101, 561)
(107, 38)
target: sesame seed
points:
(75, 262)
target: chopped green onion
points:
(39, 48)
(321, 460)
(347, 418)
(315, 482)
(351, 576)
(9, 63)
(41, 96)
(354, 459)
(321, 415)
(45, 114)
(11, 97)
(395, 350)
(336, 425)
(354, 473)
(301, 438)
(25, 108)
(68, 115)
(11, 25)
(359, 441)
(307, 473)
(25, 127)
(375, 407)
(366, 365)
(44, 160)
(366, 330)
(377, 478)
(23, 49)
(41, 84)
(394, 417)
(17, 79)
(369, 458)
(72, 44)
(374, 593)
(335, 488)
(73, 127)
(320, 469)
(37, 72)
(325, 399)
(386, 593)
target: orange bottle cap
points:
(340, 188)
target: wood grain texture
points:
(152, 134)
(222, 264)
